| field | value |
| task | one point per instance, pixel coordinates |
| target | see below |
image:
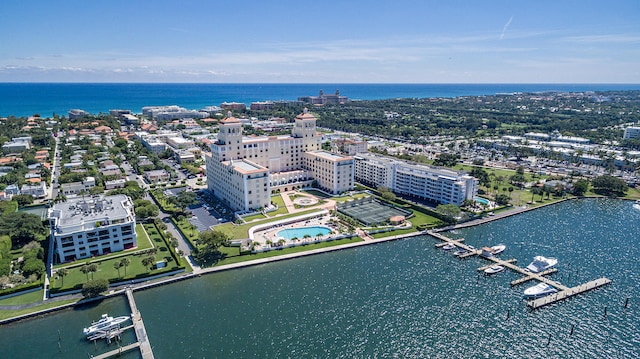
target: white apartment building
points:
(631, 132)
(266, 161)
(332, 172)
(436, 184)
(83, 228)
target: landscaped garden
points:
(120, 266)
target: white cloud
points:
(506, 26)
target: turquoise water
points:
(299, 233)
(404, 299)
(481, 200)
(26, 99)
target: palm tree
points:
(125, 263)
(93, 268)
(148, 261)
(85, 269)
(117, 266)
(62, 272)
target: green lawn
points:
(278, 201)
(346, 198)
(106, 270)
(144, 242)
(6, 314)
(23, 298)
(316, 193)
(418, 219)
(233, 256)
(254, 217)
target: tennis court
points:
(371, 212)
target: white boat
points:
(105, 323)
(540, 264)
(460, 252)
(637, 205)
(498, 249)
(493, 270)
(539, 290)
(449, 246)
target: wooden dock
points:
(138, 325)
(564, 291)
(118, 351)
(108, 334)
(528, 277)
(453, 241)
(481, 269)
(570, 292)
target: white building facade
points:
(436, 184)
(266, 161)
(93, 226)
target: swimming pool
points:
(482, 200)
(299, 233)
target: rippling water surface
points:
(400, 299)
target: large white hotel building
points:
(429, 183)
(82, 228)
(242, 171)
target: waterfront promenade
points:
(179, 277)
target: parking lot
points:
(202, 218)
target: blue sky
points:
(287, 41)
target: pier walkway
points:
(138, 326)
(563, 293)
(118, 351)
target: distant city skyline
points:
(291, 41)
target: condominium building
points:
(631, 132)
(242, 170)
(332, 172)
(436, 184)
(92, 226)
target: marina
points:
(420, 285)
(115, 331)
(563, 292)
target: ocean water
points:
(404, 299)
(46, 99)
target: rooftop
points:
(88, 211)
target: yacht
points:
(105, 323)
(540, 264)
(539, 290)
(449, 246)
(498, 249)
(493, 270)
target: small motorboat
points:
(449, 246)
(460, 252)
(637, 205)
(498, 249)
(493, 270)
(539, 290)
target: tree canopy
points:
(94, 287)
(209, 243)
(22, 227)
(609, 185)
